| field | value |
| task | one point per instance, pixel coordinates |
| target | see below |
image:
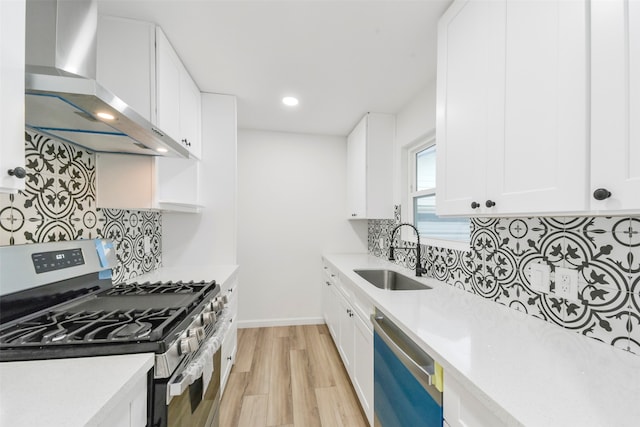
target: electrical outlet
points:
(147, 244)
(381, 242)
(566, 283)
(539, 277)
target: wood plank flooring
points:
(289, 376)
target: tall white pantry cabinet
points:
(535, 107)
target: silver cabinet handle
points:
(419, 372)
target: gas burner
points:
(93, 327)
(146, 288)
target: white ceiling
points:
(340, 58)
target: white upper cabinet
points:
(12, 43)
(143, 182)
(512, 124)
(615, 105)
(178, 97)
(126, 62)
(369, 168)
(137, 62)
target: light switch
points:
(539, 277)
(147, 245)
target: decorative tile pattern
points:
(605, 251)
(59, 203)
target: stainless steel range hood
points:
(63, 98)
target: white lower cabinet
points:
(462, 408)
(131, 411)
(230, 342)
(363, 364)
(352, 333)
(345, 340)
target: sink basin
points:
(391, 280)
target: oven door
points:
(191, 397)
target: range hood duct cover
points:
(63, 97)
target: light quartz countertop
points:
(537, 373)
(67, 392)
(219, 273)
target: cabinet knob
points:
(490, 203)
(354, 214)
(475, 205)
(601, 194)
(229, 358)
(17, 172)
(328, 283)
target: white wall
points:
(415, 120)
(291, 209)
(209, 237)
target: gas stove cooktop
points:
(57, 300)
(129, 318)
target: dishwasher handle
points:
(425, 374)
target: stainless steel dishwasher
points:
(405, 393)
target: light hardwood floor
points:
(289, 376)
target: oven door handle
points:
(177, 388)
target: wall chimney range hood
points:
(63, 98)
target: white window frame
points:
(411, 151)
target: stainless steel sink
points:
(391, 280)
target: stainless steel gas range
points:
(57, 300)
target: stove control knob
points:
(188, 345)
(198, 332)
(218, 305)
(208, 317)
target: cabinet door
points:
(615, 108)
(538, 146)
(357, 171)
(512, 105)
(333, 313)
(462, 409)
(327, 301)
(190, 113)
(465, 103)
(168, 86)
(363, 365)
(229, 347)
(126, 62)
(12, 29)
(345, 326)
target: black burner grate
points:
(94, 327)
(146, 288)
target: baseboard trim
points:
(264, 323)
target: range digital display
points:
(57, 260)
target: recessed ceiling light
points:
(161, 150)
(290, 101)
(105, 116)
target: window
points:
(422, 198)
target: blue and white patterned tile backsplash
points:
(605, 251)
(59, 203)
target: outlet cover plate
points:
(566, 283)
